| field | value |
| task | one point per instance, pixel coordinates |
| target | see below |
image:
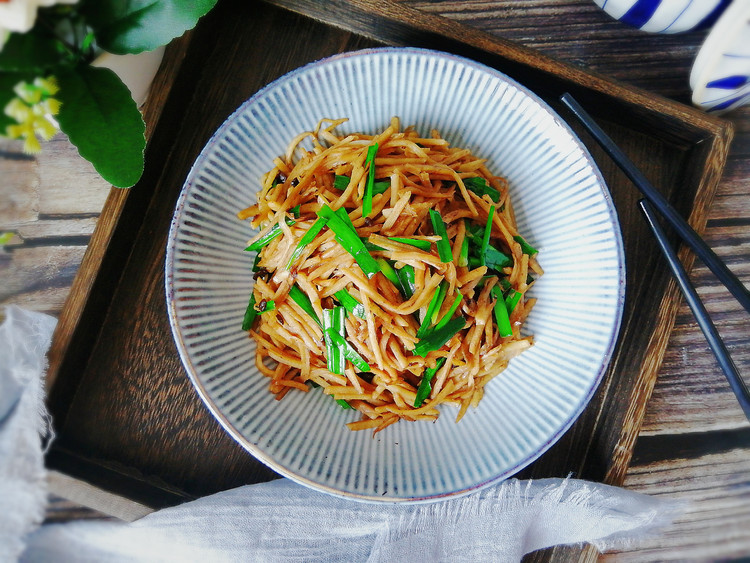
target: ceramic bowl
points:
(665, 16)
(560, 201)
(720, 77)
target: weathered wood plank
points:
(715, 490)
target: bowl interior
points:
(562, 208)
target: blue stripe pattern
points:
(711, 18)
(642, 11)
(729, 82)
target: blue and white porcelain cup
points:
(665, 16)
(720, 77)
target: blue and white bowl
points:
(559, 199)
(720, 77)
(665, 16)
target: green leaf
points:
(142, 25)
(100, 118)
(29, 52)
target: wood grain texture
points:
(694, 441)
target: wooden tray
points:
(126, 416)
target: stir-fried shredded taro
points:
(389, 272)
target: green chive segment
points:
(436, 339)
(350, 303)
(333, 325)
(301, 299)
(367, 199)
(433, 308)
(418, 243)
(250, 314)
(443, 245)
(306, 239)
(425, 385)
(347, 237)
(526, 248)
(501, 313)
(480, 187)
(486, 235)
(268, 237)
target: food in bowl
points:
(389, 272)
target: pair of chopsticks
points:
(655, 202)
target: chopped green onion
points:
(501, 313)
(306, 239)
(367, 199)
(268, 237)
(370, 246)
(380, 187)
(349, 352)
(443, 245)
(486, 235)
(295, 211)
(344, 404)
(256, 262)
(301, 299)
(512, 300)
(418, 243)
(268, 305)
(495, 259)
(480, 187)
(388, 271)
(449, 313)
(433, 308)
(333, 325)
(350, 303)
(250, 314)
(347, 237)
(526, 248)
(341, 182)
(425, 385)
(343, 214)
(436, 339)
(406, 277)
(463, 255)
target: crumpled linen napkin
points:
(284, 521)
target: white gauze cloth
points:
(284, 521)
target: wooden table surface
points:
(694, 445)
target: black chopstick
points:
(699, 311)
(686, 232)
